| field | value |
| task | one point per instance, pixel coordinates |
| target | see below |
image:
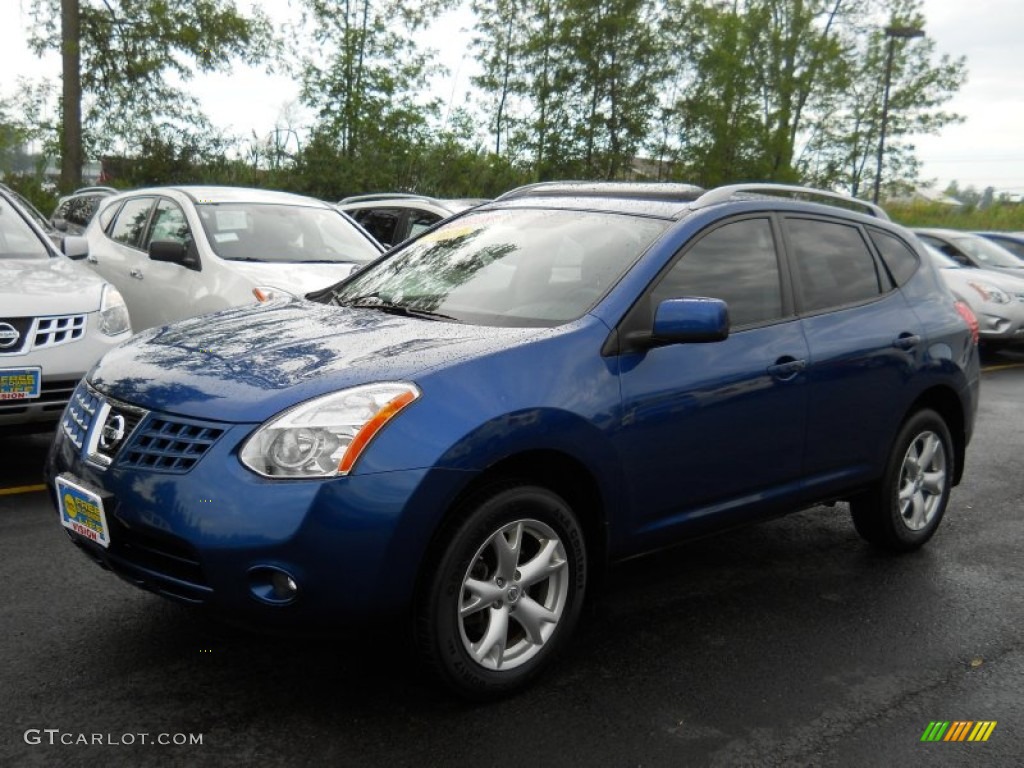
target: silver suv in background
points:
(56, 319)
(393, 218)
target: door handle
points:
(135, 272)
(787, 368)
(906, 341)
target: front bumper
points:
(210, 534)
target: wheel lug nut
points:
(500, 582)
(518, 576)
(497, 604)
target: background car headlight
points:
(989, 292)
(113, 312)
(325, 436)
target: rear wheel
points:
(903, 510)
(506, 591)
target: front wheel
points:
(506, 590)
(903, 511)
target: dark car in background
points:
(464, 432)
(393, 218)
(73, 212)
(1011, 241)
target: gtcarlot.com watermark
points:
(54, 737)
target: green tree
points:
(791, 90)
(369, 83)
(576, 82)
(129, 54)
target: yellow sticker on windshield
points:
(449, 233)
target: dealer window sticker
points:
(228, 220)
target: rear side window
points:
(736, 263)
(899, 259)
(131, 221)
(833, 264)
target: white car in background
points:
(56, 319)
(996, 298)
(178, 252)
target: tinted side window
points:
(833, 263)
(382, 223)
(131, 221)
(900, 260)
(737, 263)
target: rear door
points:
(865, 343)
(117, 255)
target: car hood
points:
(53, 286)
(248, 363)
(296, 279)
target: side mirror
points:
(174, 253)
(684, 321)
(61, 225)
(75, 247)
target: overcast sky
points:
(986, 150)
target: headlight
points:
(113, 312)
(989, 292)
(325, 436)
(264, 293)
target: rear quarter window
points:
(899, 259)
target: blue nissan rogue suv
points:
(464, 431)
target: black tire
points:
(904, 524)
(494, 637)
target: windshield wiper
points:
(375, 302)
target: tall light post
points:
(891, 34)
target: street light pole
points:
(891, 34)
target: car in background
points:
(971, 250)
(74, 212)
(462, 434)
(394, 218)
(55, 235)
(996, 298)
(56, 319)
(178, 252)
(1011, 241)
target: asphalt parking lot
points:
(786, 644)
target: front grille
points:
(80, 413)
(43, 332)
(54, 331)
(169, 445)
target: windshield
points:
(507, 268)
(283, 233)
(17, 238)
(987, 253)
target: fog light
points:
(273, 585)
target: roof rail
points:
(382, 196)
(639, 190)
(762, 190)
